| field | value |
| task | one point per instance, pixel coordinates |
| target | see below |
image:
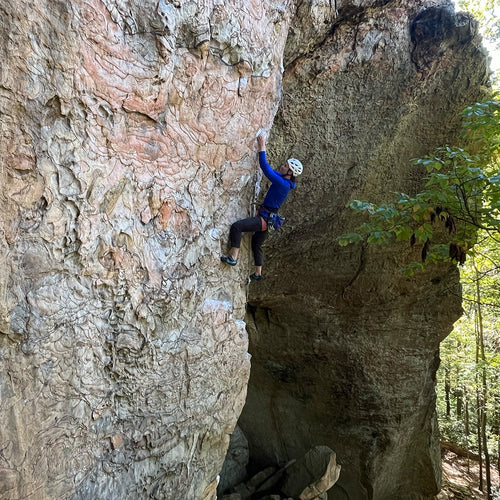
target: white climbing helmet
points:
(295, 166)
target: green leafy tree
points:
(461, 196)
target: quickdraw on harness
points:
(336, 10)
(272, 221)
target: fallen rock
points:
(260, 478)
(273, 480)
(312, 475)
(231, 496)
(243, 491)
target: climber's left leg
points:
(257, 240)
(242, 226)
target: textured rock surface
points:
(344, 347)
(128, 147)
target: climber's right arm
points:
(271, 174)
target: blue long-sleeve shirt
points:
(280, 187)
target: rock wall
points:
(345, 347)
(128, 148)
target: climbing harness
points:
(336, 10)
(273, 220)
(275, 223)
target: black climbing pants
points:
(252, 224)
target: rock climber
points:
(282, 180)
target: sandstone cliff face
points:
(344, 347)
(128, 148)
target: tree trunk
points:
(447, 390)
(478, 410)
(458, 450)
(479, 440)
(466, 423)
(496, 420)
(484, 392)
(486, 455)
(497, 431)
(460, 403)
(498, 460)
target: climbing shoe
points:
(255, 277)
(229, 260)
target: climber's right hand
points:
(261, 141)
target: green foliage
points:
(461, 196)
